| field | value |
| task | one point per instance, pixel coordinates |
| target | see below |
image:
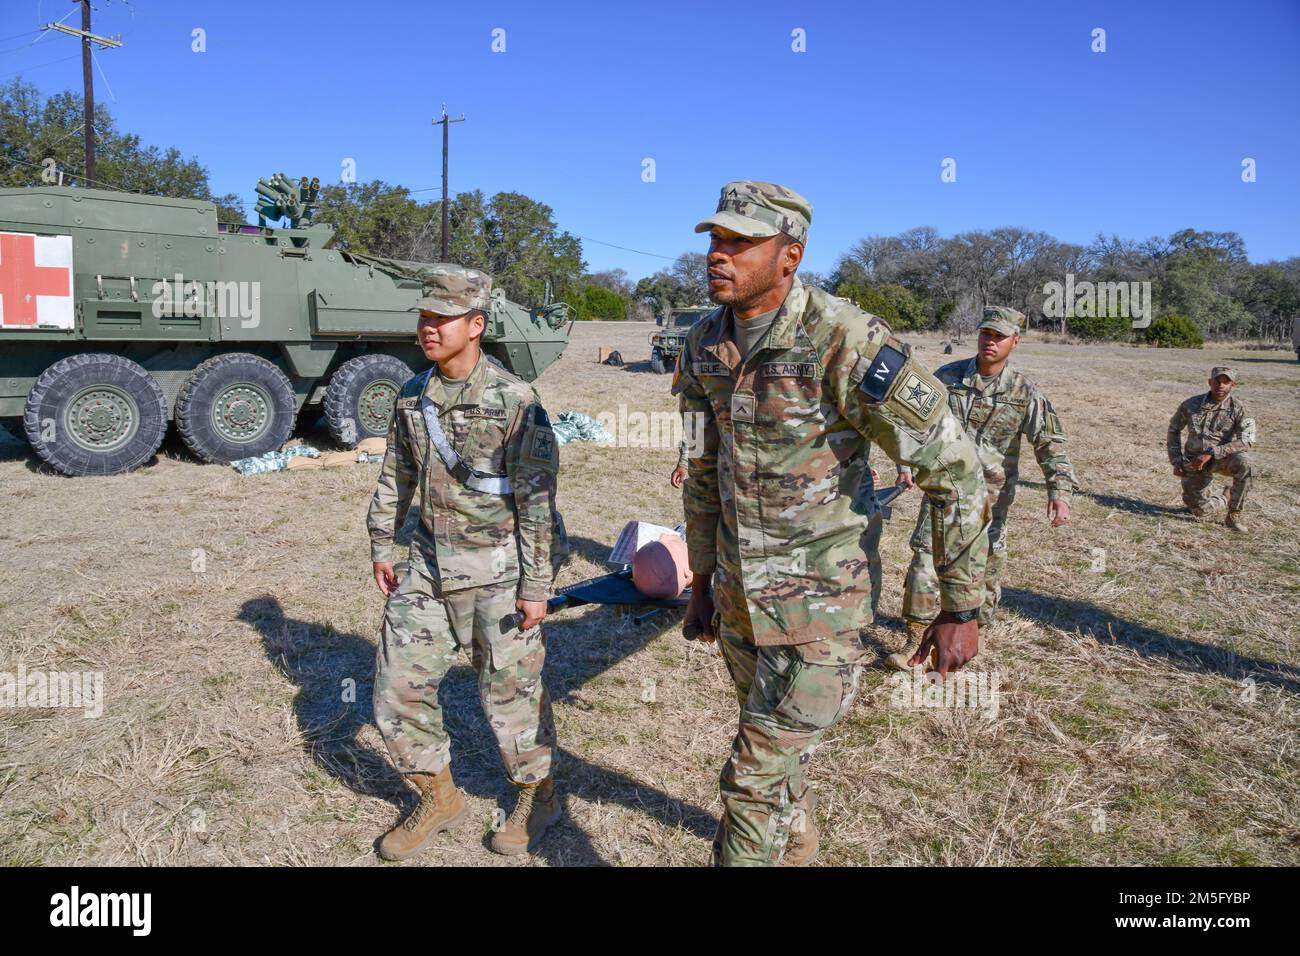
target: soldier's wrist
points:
(534, 590)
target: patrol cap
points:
(1223, 370)
(759, 209)
(1002, 319)
(454, 290)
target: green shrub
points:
(1174, 332)
(1101, 328)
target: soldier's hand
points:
(1179, 471)
(385, 577)
(1059, 512)
(1197, 463)
(905, 479)
(955, 644)
(533, 612)
(677, 477)
(699, 611)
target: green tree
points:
(34, 130)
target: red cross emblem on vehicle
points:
(35, 281)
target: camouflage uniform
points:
(995, 416)
(473, 554)
(1225, 431)
(770, 514)
(870, 541)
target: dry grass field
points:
(1149, 709)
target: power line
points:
(640, 252)
(39, 65)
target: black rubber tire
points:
(194, 405)
(657, 362)
(59, 384)
(344, 393)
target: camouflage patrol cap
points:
(1002, 319)
(454, 290)
(1223, 370)
(758, 209)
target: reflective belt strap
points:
(467, 476)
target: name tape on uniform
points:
(484, 411)
(789, 369)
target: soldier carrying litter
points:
(791, 386)
(477, 444)
(1220, 437)
(996, 404)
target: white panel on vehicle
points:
(35, 281)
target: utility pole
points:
(445, 123)
(87, 78)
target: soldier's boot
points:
(805, 841)
(441, 807)
(539, 808)
(1209, 506)
(915, 632)
(1234, 522)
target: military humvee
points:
(120, 313)
(666, 345)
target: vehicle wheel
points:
(361, 397)
(235, 406)
(657, 362)
(95, 414)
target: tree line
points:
(1202, 284)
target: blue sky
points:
(1143, 139)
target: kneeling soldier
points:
(475, 441)
(1220, 437)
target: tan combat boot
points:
(441, 807)
(915, 632)
(804, 841)
(538, 809)
(1235, 523)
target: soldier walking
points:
(791, 386)
(477, 445)
(995, 404)
(1220, 437)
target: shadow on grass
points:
(319, 660)
(1121, 502)
(1180, 652)
(1283, 358)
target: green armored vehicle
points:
(120, 313)
(666, 345)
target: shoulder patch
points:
(883, 371)
(541, 446)
(918, 392)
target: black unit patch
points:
(881, 373)
(540, 418)
(790, 369)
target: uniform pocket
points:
(816, 694)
